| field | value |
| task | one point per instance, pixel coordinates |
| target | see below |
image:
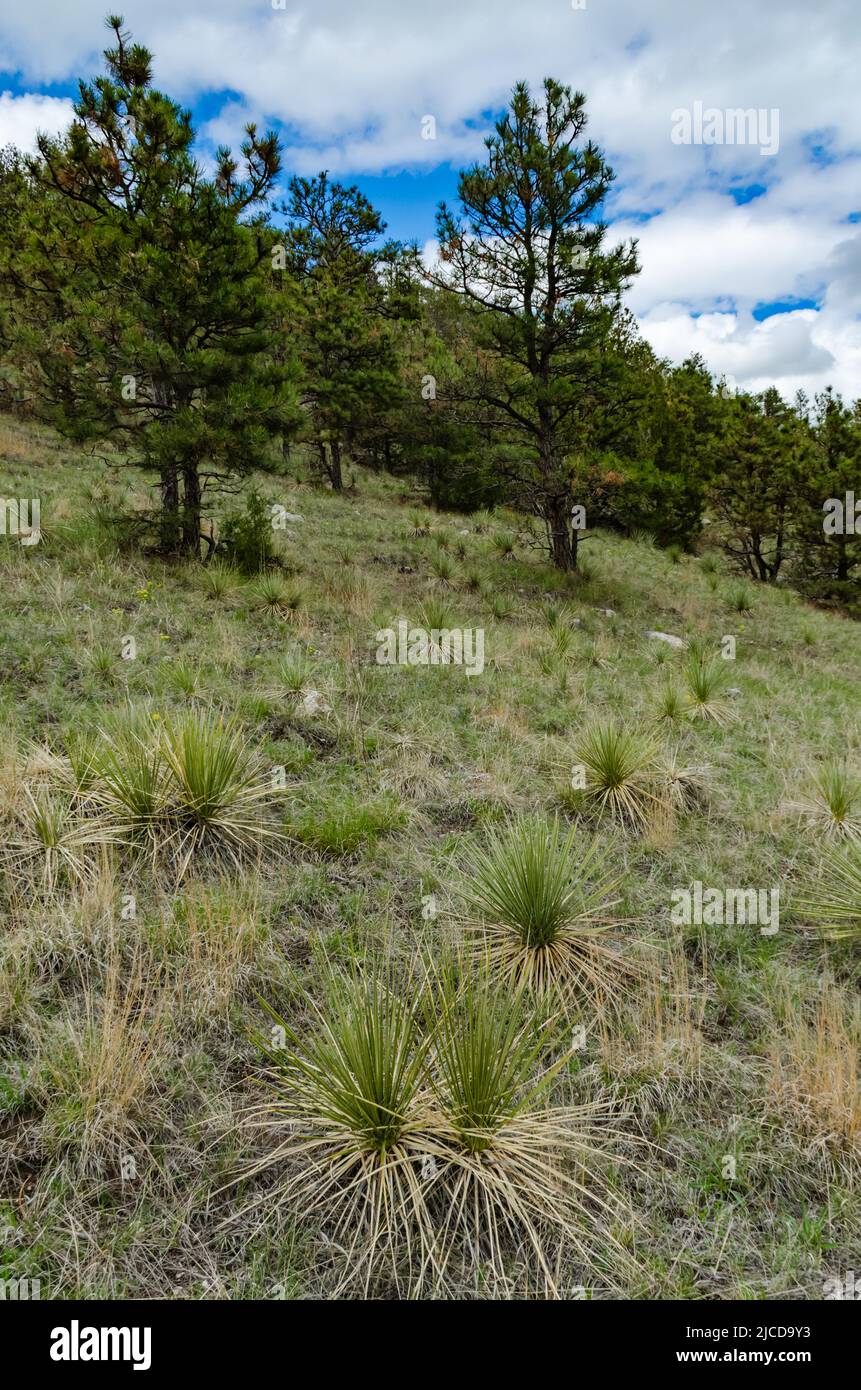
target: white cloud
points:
(21, 117)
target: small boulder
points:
(670, 639)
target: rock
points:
(290, 516)
(608, 612)
(313, 703)
(733, 691)
(669, 638)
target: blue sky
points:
(750, 245)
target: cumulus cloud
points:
(21, 117)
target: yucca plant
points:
(82, 753)
(520, 1174)
(503, 544)
(294, 672)
(416, 1122)
(835, 902)
(684, 786)
(436, 615)
(103, 662)
(132, 785)
(217, 788)
(352, 1103)
(500, 607)
(51, 842)
(670, 705)
(539, 905)
(833, 804)
(277, 595)
(442, 568)
(550, 662)
(219, 579)
(706, 679)
(741, 598)
(642, 536)
(621, 772)
(183, 678)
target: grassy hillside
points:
(131, 1083)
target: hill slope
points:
(128, 998)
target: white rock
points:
(291, 516)
(608, 612)
(668, 637)
(313, 703)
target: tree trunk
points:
(335, 473)
(563, 537)
(191, 511)
(169, 522)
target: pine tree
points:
(139, 290)
(763, 460)
(527, 250)
(338, 312)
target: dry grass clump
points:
(815, 1070)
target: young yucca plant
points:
(503, 544)
(670, 705)
(741, 598)
(219, 579)
(183, 678)
(706, 679)
(501, 607)
(294, 672)
(520, 1173)
(833, 805)
(442, 568)
(217, 788)
(550, 662)
(436, 614)
(836, 900)
(540, 904)
(276, 595)
(352, 1110)
(641, 536)
(103, 662)
(621, 772)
